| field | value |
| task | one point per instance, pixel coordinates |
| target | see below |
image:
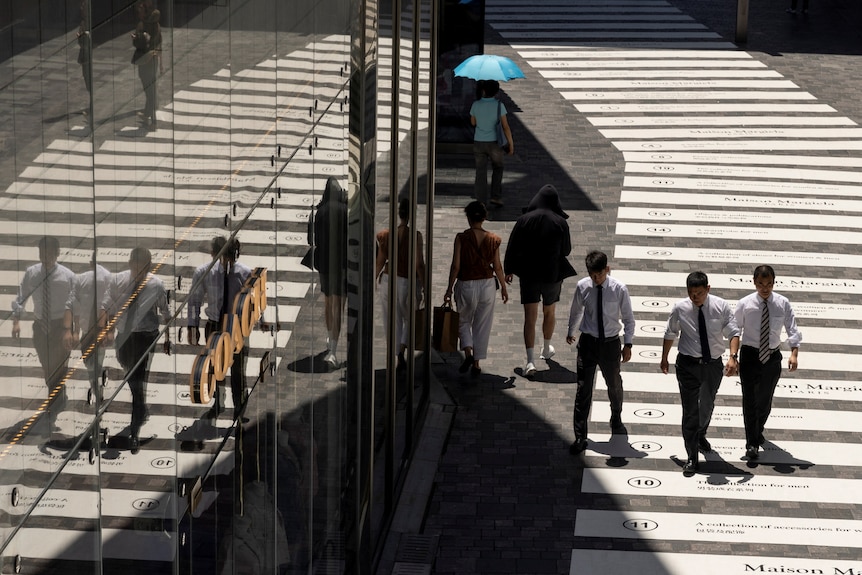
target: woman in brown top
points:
(475, 262)
(382, 271)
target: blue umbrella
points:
(488, 67)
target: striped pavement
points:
(722, 163)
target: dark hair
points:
(476, 212)
(596, 261)
(764, 271)
(141, 255)
(404, 209)
(696, 279)
(216, 244)
(49, 245)
(232, 250)
(490, 88)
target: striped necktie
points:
(46, 296)
(764, 353)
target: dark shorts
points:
(547, 293)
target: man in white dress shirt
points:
(49, 283)
(81, 325)
(600, 304)
(701, 321)
(760, 316)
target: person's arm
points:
(794, 336)
(666, 346)
(454, 268)
(511, 256)
(420, 261)
(380, 262)
(498, 271)
(732, 332)
(24, 291)
(575, 312)
(628, 319)
(70, 330)
(505, 123)
(670, 333)
(165, 314)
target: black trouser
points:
(758, 382)
(698, 384)
(54, 358)
(138, 345)
(605, 356)
(237, 373)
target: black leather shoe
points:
(578, 447)
(751, 453)
(703, 445)
(690, 468)
(134, 444)
(466, 364)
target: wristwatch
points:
(733, 356)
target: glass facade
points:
(205, 366)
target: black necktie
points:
(600, 314)
(224, 307)
(704, 336)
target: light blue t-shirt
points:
(485, 112)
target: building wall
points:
(258, 104)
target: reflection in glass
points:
(328, 235)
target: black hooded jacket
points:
(540, 242)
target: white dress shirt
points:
(151, 306)
(749, 310)
(59, 280)
(616, 308)
(88, 291)
(720, 324)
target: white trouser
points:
(402, 311)
(475, 301)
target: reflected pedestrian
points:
(81, 325)
(218, 286)
(475, 265)
(135, 303)
(383, 270)
(49, 284)
(328, 233)
(147, 40)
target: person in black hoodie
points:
(537, 253)
(327, 231)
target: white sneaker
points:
(549, 353)
(530, 369)
(331, 360)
